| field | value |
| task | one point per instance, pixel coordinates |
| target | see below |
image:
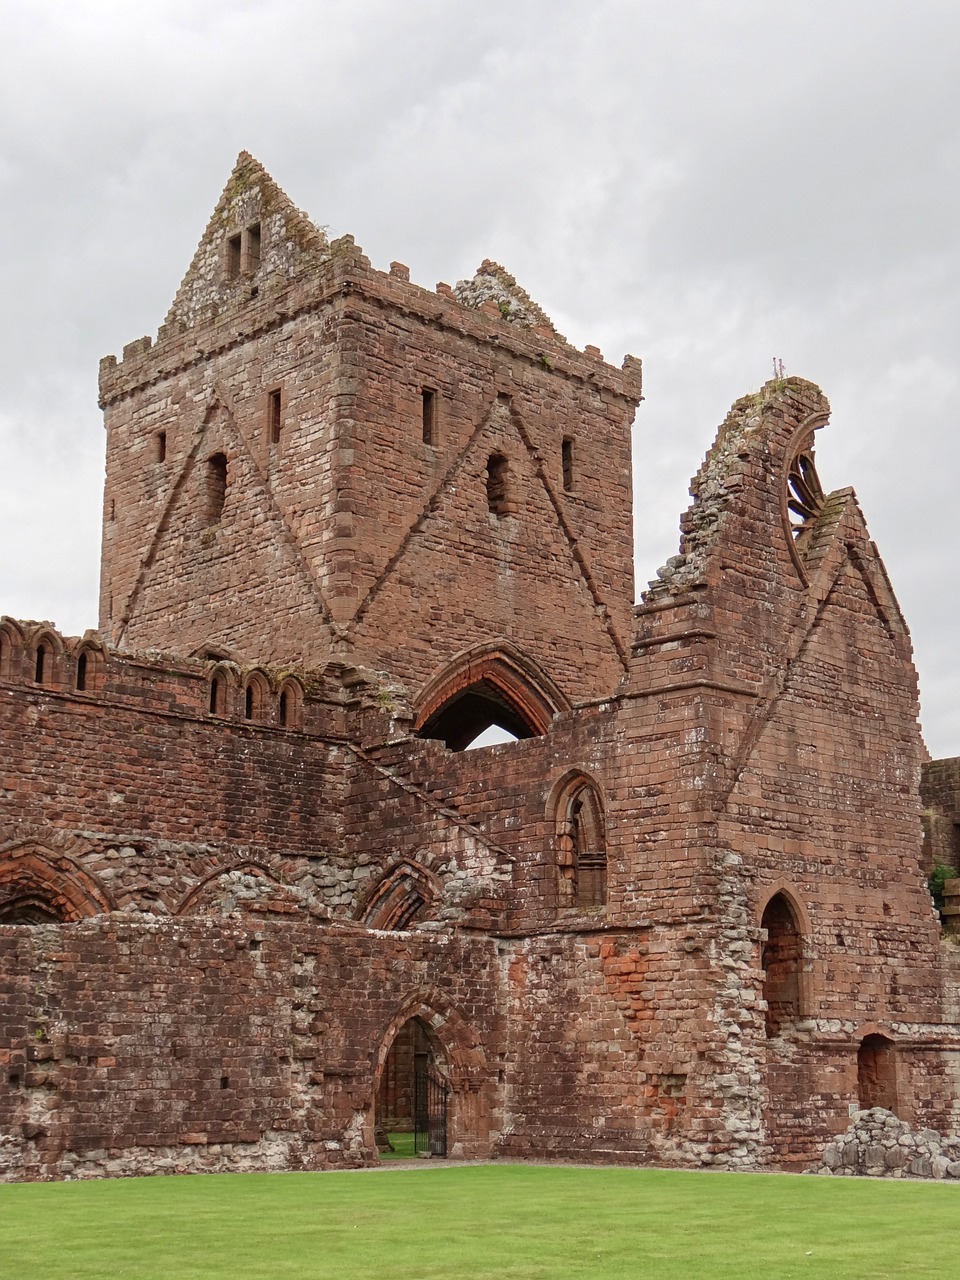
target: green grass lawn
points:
(481, 1221)
(402, 1147)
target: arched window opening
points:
(40, 664)
(30, 911)
(289, 705)
(38, 886)
(566, 459)
(413, 1093)
(581, 846)
(474, 711)
(82, 672)
(215, 494)
(402, 897)
(255, 698)
(499, 498)
(877, 1073)
(217, 696)
(780, 961)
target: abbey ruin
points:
(256, 895)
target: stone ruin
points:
(878, 1145)
(257, 898)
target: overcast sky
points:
(704, 184)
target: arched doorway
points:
(780, 961)
(877, 1073)
(413, 1093)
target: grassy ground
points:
(402, 1147)
(516, 1221)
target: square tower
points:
(316, 459)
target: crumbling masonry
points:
(250, 880)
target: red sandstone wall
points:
(350, 535)
(178, 1046)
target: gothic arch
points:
(222, 689)
(403, 895)
(46, 653)
(11, 649)
(38, 884)
(257, 696)
(801, 497)
(290, 704)
(490, 684)
(576, 809)
(192, 903)
(90, 661)
(782, 961)
(458, 1058)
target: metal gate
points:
(430, 1094)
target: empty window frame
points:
(780, 960)
(40, 664)
(252, 246)
(581, 846)
(428, 415)
(82, 662)
(499, 496)
(160, 446)
(217, 696)
(289, 705)
(215, 492)
(242, 252)
(234, 255)
(566, 463)
(274, 415)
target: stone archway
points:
(436, 1038)
(414, 1068)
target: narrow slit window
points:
(248, 703)
(566, 459)
(283, 709)
(234, 253)
(161, 442)
(253, 248)
(41, 663)
(216, 696)
(275, 415)
(498, 485)
(428, 410)
(82, 672)
(216, 487)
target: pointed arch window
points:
(402, 897)
(489, 686)
(581, 845)
(781, 963)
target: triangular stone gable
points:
(289, 243)
(840, 536)
(522, 566)
(195, 565)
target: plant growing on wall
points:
(940, 874)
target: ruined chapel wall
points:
(186, 1046)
